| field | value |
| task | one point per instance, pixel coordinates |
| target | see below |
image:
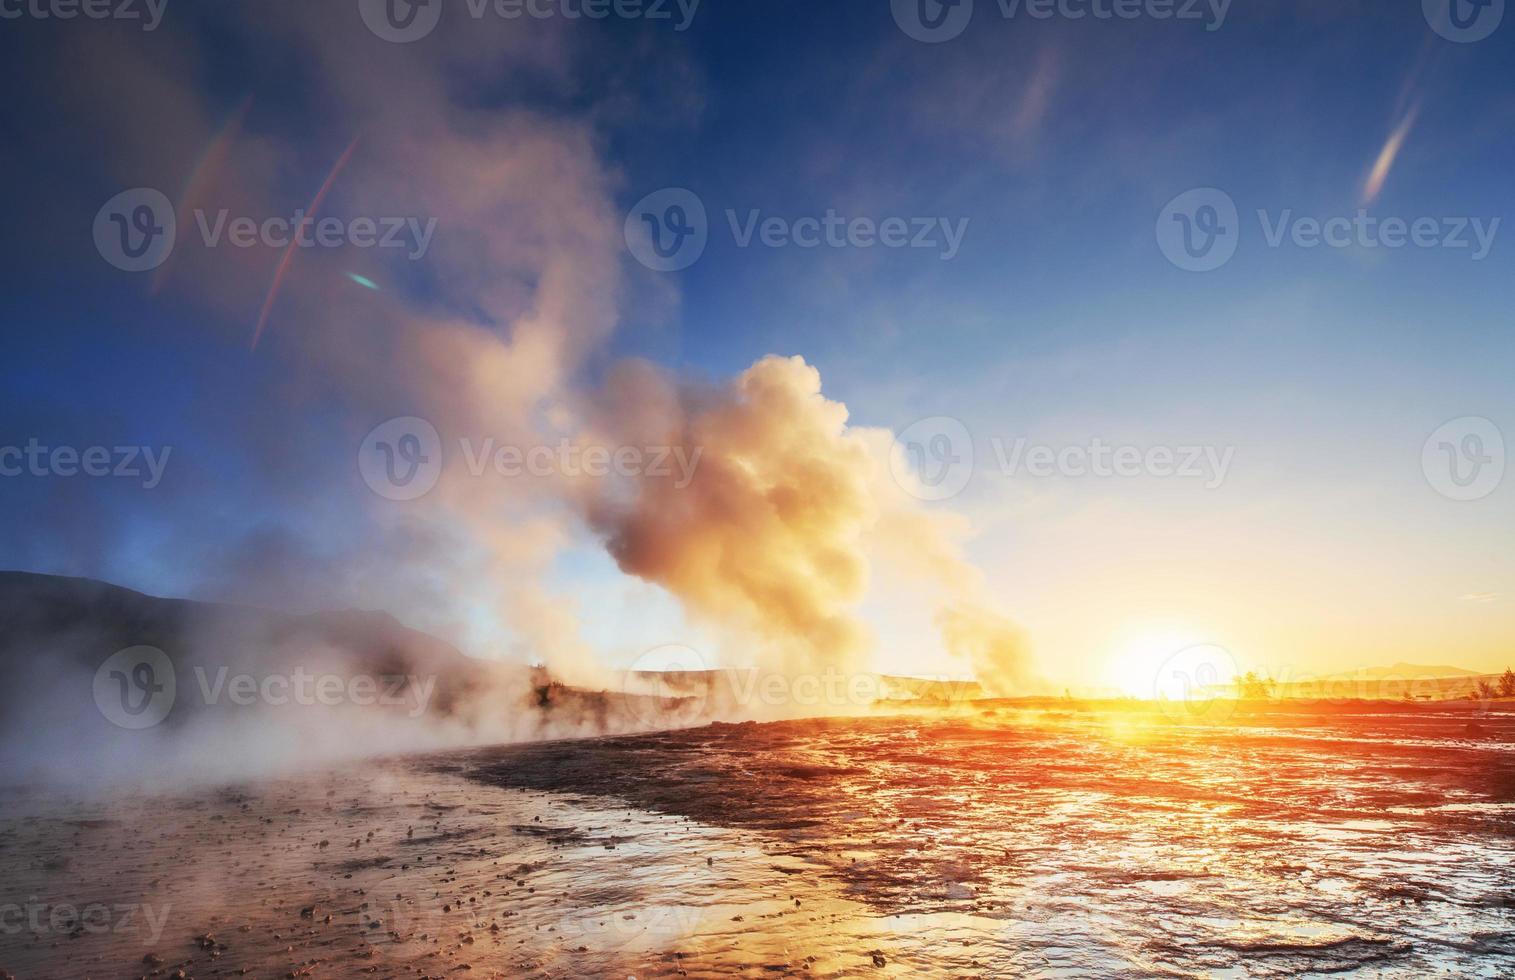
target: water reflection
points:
(1077, 844)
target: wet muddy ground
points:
(985, 843)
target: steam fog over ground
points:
(110, 688)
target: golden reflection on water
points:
(1076, 843)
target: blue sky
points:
(1059, 320)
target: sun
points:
(1177, 664)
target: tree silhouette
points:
(1254, 687)
(1507, 684)
(1485, 690)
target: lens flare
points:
(209, 161)
(289, 250)
(1387, 156)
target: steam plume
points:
(789, 508)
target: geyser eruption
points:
(776, 534)
(768, 536)
(773, 545)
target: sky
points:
(1113, 359)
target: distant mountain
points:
(50, 625)
(76, 617)
(1407, 670)
(1396, 682)
(92, 674)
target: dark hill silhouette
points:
(57, 634)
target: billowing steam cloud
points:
(777, 532)
(929, 546)
(991, 644)
(789, 506)
(768, 537)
